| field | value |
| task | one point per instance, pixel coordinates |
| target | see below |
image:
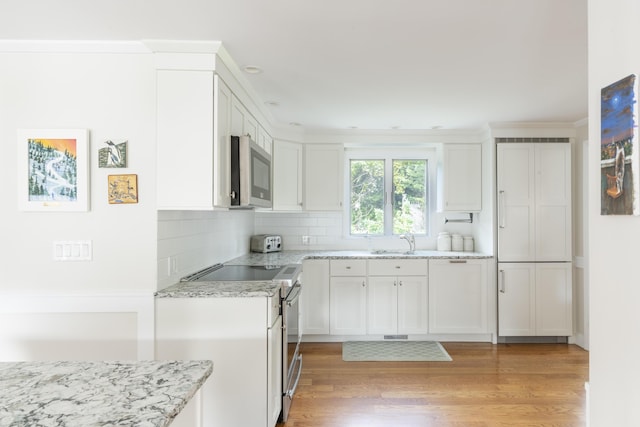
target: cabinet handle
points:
(502, 285)
(363, 283)
(348, 267)
(397, 266)
(395, 283)
(457, 261)
(400, 282)
(501, 222)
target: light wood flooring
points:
(485, 385)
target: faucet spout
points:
(410, 238)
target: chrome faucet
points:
(412, 241)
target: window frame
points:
(388, 154)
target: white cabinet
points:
(192, 128)
(460, 178)
(397, 297)
(348, 296)
(314, 300)
(242, 337)
(534, 201)
(274, 372)
(242, 122)
(535, 299)
(287, 176)
(323, 177)
(458, 296)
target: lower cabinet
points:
(348, 297)
(242, 337)
(314, 300)
(396, 300)
(458, 296)
(535, 299)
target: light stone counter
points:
(84, 394)
(268, 289)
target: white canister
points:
(457, 244)
(444, 241)
(467, 243)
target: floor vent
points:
(396, 337)
(527, 139)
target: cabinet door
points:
(222, 143)
(287, 176)
(323, 173)
(461, 178)
(314, 300)
(553, 299)
(516, 299)
(516, 202)
(274, 372)
(185, 122)
(412, 305)
(553, 202)
(348, 305)
(458, 296)
(382, 305)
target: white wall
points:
(191, 240)
(113, 96)
(613, 256)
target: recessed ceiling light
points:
(272, 103)
(436, 127)
(395, 127)
(353, 127)
(252, 69)
(294, 124)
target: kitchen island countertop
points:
(80, 394)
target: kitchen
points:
(126, 268)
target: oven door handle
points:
(293, 296)
(292, 390)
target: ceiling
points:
(366, 64)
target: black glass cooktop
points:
(235, 273)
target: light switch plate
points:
(72, 250)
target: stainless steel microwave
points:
(250, 174)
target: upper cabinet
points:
(534, 201)
(460, 178)
(196, 115)
(287, 176)
(192, 129)
(323, 177)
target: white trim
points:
(141, 304)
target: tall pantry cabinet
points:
(534, 239)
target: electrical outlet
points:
(306, 240)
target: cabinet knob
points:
(348, 267)
(400, 282)
(363, 283)
(397, 266)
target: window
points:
(387, 195)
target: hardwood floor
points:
(485, 385)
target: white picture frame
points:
(53, 170)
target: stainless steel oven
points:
(291, 338)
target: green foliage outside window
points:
(367, 199)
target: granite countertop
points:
(84, 394)
(268, 288)
(296, 257)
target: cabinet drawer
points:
(348, 267)
(398, 267)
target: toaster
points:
(266, 243)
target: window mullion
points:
(388, 188)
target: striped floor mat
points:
(384, 351)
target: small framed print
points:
(53, 168)
(123, 189)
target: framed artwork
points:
(619, 178)
(53, 169)
(123, 189)
(114, 155)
